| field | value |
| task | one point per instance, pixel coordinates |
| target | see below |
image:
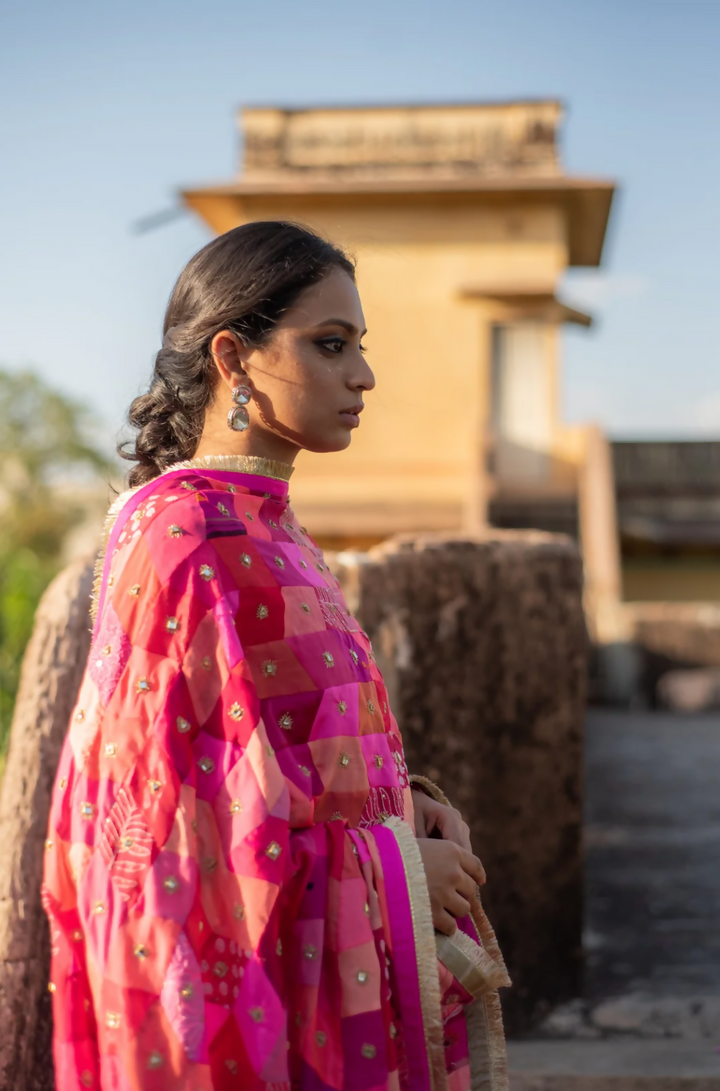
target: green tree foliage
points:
(45, 439)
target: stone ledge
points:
(615, 1064)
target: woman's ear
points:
(227, 353)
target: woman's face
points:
(309, 379)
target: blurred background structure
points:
(464, 224)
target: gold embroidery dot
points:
(371, 708)
(239, 912)
(107, 650)
(344, 759)
(249, 516)
(392, 1030)
(270, 752)
(220, 969)
(362, 976)
(142, 685)
(187, 991)
(319, 567)
(171, 884)
(175, 531)
(335, 816)
(134, 591)
(256, 1014)
(98, 908)
(154, 786)
(342, 707)
(236, 712)
(303, 564)
(48, 844)
(279, 562)
(172, 624)
(183, 725)
(262, 612)
(112, 1020)
(127, 843)
(320, 1038)
(64, 782)
(87, 810)
(273, 850)
(285, 721)
(111, 749)
(210, 863)
(366, 909)
(80, 715)
(310, 952)
(206, 572)
(246, 559)
(368, 1051)
(304, 606)
(206, 764)
(304, 770)
(223, 510)
(140, 951)
(354, 656)
(52, 987)
(329, 659)
(155, 1060)
(378, 761)
(235, 807)
(77, 935)
(188, 486)
(269, 668)
(206, 663)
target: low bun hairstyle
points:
(243, 281)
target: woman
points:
(239, 877)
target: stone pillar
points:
(483, 645)
(51, 676)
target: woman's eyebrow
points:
(341, 322)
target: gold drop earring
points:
(238, 418)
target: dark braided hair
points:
(242, 281)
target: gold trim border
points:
(429, 789)
(426, 953)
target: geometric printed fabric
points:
(214, 923)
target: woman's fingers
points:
(457, 905)
(450, 823)
(473, 866)
(444, 922)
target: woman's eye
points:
(332, 344)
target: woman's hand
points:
(453, 875)
(431, 815)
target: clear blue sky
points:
(108, 108)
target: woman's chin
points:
(338, 440)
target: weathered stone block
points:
(483, 646)
(51, 675)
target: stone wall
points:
(484, 648)
(51, 675)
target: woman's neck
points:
(255, 443)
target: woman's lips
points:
(351, 417)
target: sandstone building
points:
(463, 223)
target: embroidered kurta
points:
(235, 894)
